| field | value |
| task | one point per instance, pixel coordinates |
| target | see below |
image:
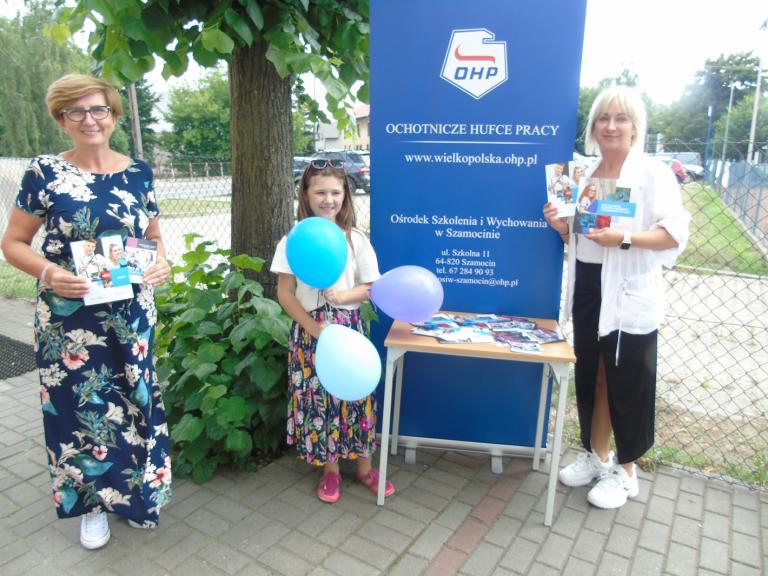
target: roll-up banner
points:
(469, 102)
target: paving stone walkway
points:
(451, 515)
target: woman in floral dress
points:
(105, 431)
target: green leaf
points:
(135, 28)
(207, 328)
(277, 327)
(254, 13)
(216, 391)
(241, 333)
(226, 310)
(261, 339)
(189, 361)
(247, 361)
(277, 57)
(232, 281)
(206, 58)
(239, 25)
(204, 470)
(232, 410)
(193, 315)
(203, 370)
(197, 450)
(208, 405)
(214, 430)
(267, 374)
(215, 40)
(228, 365)
(193, 402)
(122, 68)
(188, 428)
(163, 370)
(248, 262)
(103, 8)
(239, 441)
(211, 352)
(60, 32)
(267, 307)
(336, 88)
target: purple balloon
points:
(408, 293)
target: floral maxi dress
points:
(105, 430)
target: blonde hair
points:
(630, 103)
(70, 88)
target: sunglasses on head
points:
(321, 163)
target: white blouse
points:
(362, 268)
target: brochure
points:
(140, 254)
(101, 261)
(601, 203)
(516, 333)
(563, 181)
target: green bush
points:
(221, 351)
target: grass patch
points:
(16, 284)
(718, 240)
(179, 206)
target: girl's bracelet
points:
(42, 274)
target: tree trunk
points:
(262, 144)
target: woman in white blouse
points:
(616, 299)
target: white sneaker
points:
(586, 468)
(138, 526)
(94, 530)
(613, 489)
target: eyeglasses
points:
(321, 163)
(78, 114)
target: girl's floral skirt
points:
(323, 428)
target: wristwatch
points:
(627, 242)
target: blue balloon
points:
(317, 252)
(347, 364)
(408, 293)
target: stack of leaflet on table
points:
(516, 333)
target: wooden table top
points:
(400, 336)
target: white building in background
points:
(328, 137)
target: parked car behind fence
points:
(357, 164)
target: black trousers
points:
(631, 383)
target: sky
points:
(666, 41)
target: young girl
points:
(324, 428)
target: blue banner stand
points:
(469, 102)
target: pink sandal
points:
(328, 487)
(371, 481)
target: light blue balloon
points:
(408, 294)
(347, 364)
(317, 252)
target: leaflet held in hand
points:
(102, 262)
(603, 204)
(140, 254)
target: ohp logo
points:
(475, 63)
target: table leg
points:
(398, 396)
(392, 355)
(561, 375)
(537, 441)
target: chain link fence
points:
(712, 406)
